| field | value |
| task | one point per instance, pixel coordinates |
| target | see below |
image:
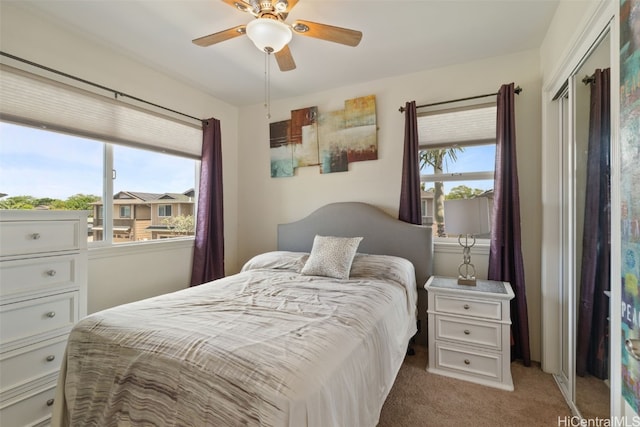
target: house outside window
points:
(457, 157)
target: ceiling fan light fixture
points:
(269, 35)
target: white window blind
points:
(35, 100)
(472, 125)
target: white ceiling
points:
(399, 37)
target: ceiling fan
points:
(271, 34)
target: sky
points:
(41, 163)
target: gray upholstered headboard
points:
(382, 234)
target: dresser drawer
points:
(478, 333)
(32, 408)
(468, 307)
(485, 365)
(39, 274)
(30, 320)
(31, 237)
(31, 363)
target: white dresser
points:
(43, 293)
(470, 331)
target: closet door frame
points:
(557, 266)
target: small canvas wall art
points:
(332, 146)
(331, 139)
(304, 136)
(360, 128)
(281, 154)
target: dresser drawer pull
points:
(51, 358)
(35, 236)
(51, 273)
(51, 314)
(467, 332)
(50, 402)
(467, 362)
(466, 306)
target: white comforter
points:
(265, 347)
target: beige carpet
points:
(421, 399)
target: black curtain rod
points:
(116, 93)
(589, 79)
(517, 91)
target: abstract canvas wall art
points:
(330, 139)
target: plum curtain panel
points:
(410, 208)
(208, 252)
(591, 353)
(505, 253)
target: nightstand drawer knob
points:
(467, 332)
(467, 362)
(51, 314)
(467, 306)
(51, 358)
(35, 236)
(50, 402)
(51, 273)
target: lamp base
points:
(467, 281)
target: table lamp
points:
(467, 218)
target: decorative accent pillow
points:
(331, 256)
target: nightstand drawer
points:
(484, 365)
(31, 237)
(31, 363)
(37, 318)
(477, 333)
(40, 274)
(468, 307)
(33, 408)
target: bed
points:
(289, 341)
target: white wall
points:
(120, 274)
(268, 201)
(564, 32)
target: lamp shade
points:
(467, 216)
(269, 35)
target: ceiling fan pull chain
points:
(267, 83)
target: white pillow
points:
(331, 256)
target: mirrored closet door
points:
(584, 105)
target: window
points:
(164, 210)
(125, 211)
(457, 157)
(70, 144)
(41, 169)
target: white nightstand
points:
(469, 331)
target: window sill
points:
(123, 249)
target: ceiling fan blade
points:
(328, 32)
(241, 5)
(285, 60)
(220, 36)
